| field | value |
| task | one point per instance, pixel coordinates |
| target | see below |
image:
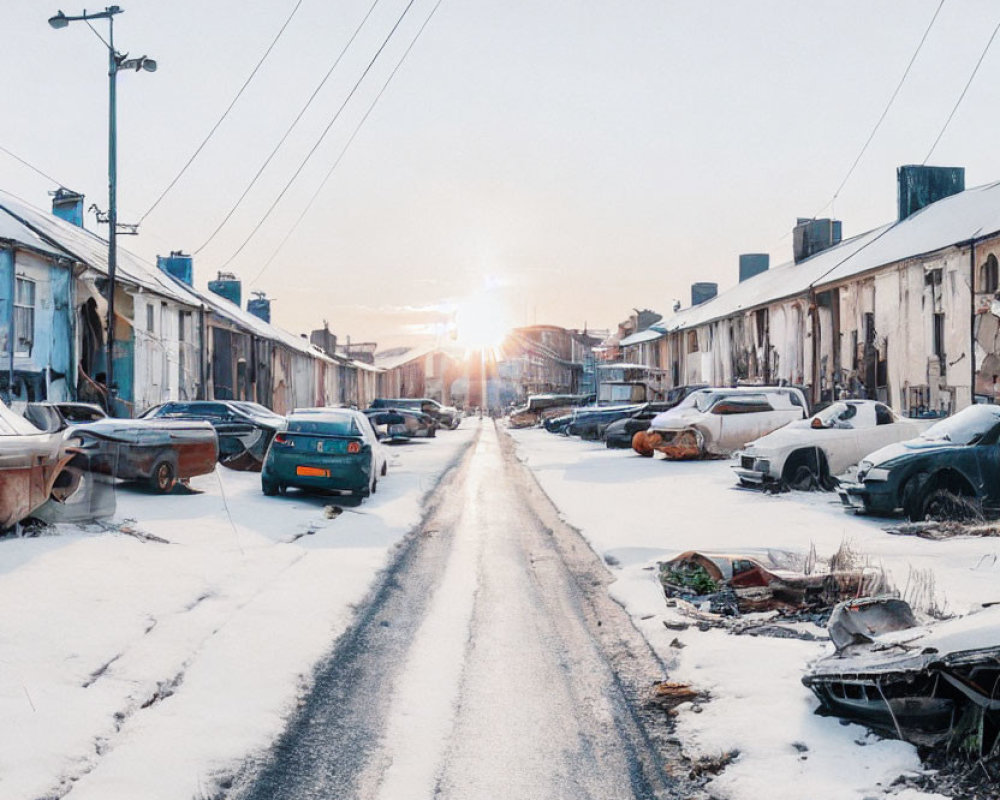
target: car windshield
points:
(965, 427)
(326, 425)
(836, 415)
(254, 408)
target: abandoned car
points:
(32, 463)
(400, 424)
(715, 422)
(244, 429)
(811, 453)
(158, 452)
(619, 434)
(951, 470)
(328, 449)
(540, 407)
(926, 684)
(445, 416)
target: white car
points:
(813, 452)
(715, 422)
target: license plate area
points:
(312, 472)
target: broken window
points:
(939, 339)
(150, 318)
(24, 316)
(988, 275)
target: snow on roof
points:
(647, 335)
(90, 249)
(56, 234)
(964, 216)
(13, 230)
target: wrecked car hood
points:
(910, 447)
(675, 419)
(798, 433)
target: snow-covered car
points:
(951, 470)
(813, 452)
(715, 422)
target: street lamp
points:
(116, 62)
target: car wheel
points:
(163, 476)
(385, 468)
(803, 479)
(374, 485)
(270, 488)
(943, 505)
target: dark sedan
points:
(951, 470)
(244, 429)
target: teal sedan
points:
(329, 449)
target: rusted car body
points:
(926, 684)
(31, 461)
(541, 407)
(761, 582)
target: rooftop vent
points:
(68, 205)
(260, 306)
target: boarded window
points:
(24, 316)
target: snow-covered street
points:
(635, 512)
(227, 619)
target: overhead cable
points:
(961, 97)
(885, 111)
(322, 136)
(32, 167)
(340, 156)
(225, 113)
(295, 122)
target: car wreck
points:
(742, 583)
(541, 407)
(926, 684)
(715, 422)
(32, 463)
(812, 453)
(949, 471)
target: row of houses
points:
(908, 313)
(171, 340)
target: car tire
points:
(803, 479)
(385, 468)
(270, 488)
(163, 476)
(945, 505)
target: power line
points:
(32, 167)
(322, 136)
(295, 122)
(885, 111)
(225, 113)
(357, 128)
(961, 97)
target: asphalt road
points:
(489, 663)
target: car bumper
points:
(346, 473)
(870, 498)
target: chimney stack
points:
(753, 264)
(229, 286)
(702, 292)
(68, 205)
(260, 306)
(177, 265)
(812, 236)
(918, 186)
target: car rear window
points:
(327, 426)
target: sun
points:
(481, 321)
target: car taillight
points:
(284, 441)
(354, 447)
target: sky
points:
(558, 162)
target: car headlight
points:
(877, 474)
(762, 465)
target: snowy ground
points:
(635, 511)
(227, 620)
